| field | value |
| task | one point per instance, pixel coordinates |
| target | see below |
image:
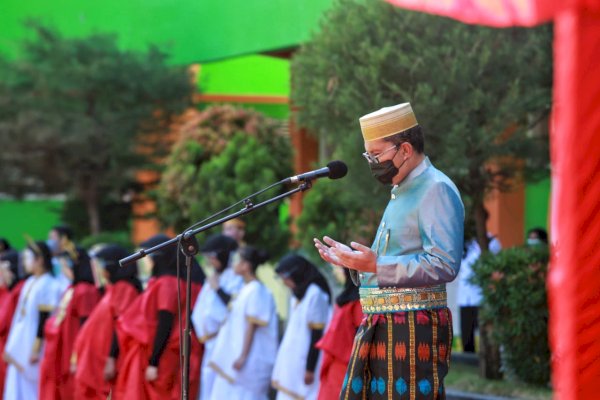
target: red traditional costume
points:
(60, 331)
(8, 303)
(93, 343)
(337, 342)
(145, 341)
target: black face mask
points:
(385, 171)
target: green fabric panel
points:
(249, 75)
(278, 111)
(537, 201)
(31, 217)
(193, 31)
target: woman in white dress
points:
(246, 347)
(211, 307)
(296, 371)
(38, 298)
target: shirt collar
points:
(418, 170)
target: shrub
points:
(513, 283)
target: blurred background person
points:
(95, 354)
(211, 307)
(235, 229)
(469, 294)
(75, 306)
(296, 370)
(64, 254)
(246, 347)
(537, 236)
(12, 279)
(337, 341)
(148, 331)
(38, 298)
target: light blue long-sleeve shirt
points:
(420, 238)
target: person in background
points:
(537, 236)
(297, 367)
(211, 308)
(235, 229)
(148, 331)
(76, 305)
(337, 342)
(469, 295)
(64, 254)
(12, 280)
(95, 357)
(23, 349)
(246, 347)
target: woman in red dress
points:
(11, 283)
(95, 355)
(60, 330)
(148, 331)
(339, 337)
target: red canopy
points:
(574, 280)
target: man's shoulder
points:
(437, 180)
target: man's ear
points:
(407, 149)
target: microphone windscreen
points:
(337, 169)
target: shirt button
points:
(393, 197)
(361, 276)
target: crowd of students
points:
(76, 325)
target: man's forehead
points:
(376, 146)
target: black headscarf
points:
(12, 257)
(302, 272)
(254, 256)
(82, 268)
(165, 259)
(5, 245)
(197, 274)
(110, 255)
(350, 292)
(41, 249)
(222, 246)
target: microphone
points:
(334, 170)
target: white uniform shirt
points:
(312, 312)
(469, 295)
(254, 304)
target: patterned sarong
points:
(401, 355)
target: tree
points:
(79, 115)
(223, 155)
(477, 92)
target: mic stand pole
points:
(190, 248)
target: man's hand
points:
(326, 252)
(358, 257)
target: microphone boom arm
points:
(249, 207)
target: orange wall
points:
(507, 216)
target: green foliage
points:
(476, 91)
(513, 284)
(122, 238)
(78, 115)
(228, 154)
(116, 215)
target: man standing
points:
(403, 346)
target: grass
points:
(466, 379)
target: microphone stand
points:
(189, 249)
